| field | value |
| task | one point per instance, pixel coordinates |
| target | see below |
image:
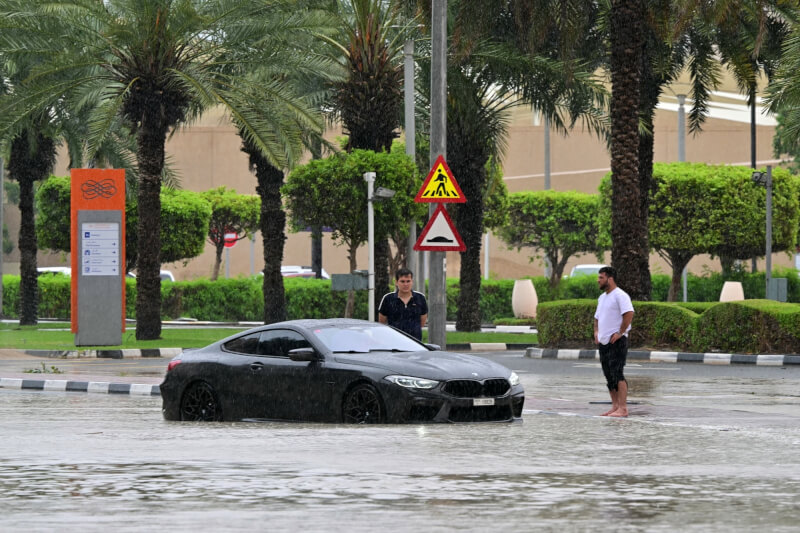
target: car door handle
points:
(256, 367)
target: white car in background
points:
(585, 270)
(166, 275)
(67, 271)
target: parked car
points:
(67, 271)
(585, 270)
(337, 370)
(294, 271)
(165, 275)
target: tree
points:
(629, 249)
(156, 64)
(185, 217)
(230, 213)
(332, 192)
(561, 224)
(369, 101)
(697, 208)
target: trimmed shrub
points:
(753, 326)
(566, 323)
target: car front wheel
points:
(362, 405)
(200, 404)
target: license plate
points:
(483, 401)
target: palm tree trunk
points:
(382, 255)
(273, 223)
(629, 251)
(471, 173)
(150, 157)
(28, 285)
(26, 165)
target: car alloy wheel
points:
(199, 404)
(362, 405)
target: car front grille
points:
(470, 388)
(496, 413)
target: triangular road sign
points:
(440, 235)
(440, 186)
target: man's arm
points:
(627, 318)
(383, 319)
(596, 340)
(423, 319)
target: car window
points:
(247, 344)
(278, 342)
(363, 339)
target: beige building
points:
(207, 154)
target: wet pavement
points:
(704, 450)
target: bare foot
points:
(619, 413)
(607, 413)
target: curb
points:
(488, 346)
(672, 357)
(102, 387)
(106, 354)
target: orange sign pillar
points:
(98, 256)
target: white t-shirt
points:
(610, 308)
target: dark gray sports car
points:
(337, 370)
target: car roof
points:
(311, 323)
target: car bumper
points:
(419, 406)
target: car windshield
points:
(365, 339)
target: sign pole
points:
(437, 310)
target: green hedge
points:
(751, 326)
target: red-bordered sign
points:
(440, 234)
(440, 186)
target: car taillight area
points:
(469, 388)
(172, 364)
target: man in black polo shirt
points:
(405, 309)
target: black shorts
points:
(612, 359)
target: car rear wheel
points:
(200, 404)
(362, 405)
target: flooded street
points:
(93, 462)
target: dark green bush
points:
(752, 326)
(566, 323)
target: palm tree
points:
(369, 101)
(156, 64)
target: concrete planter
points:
(524, 299)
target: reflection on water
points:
(92, 462)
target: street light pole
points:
(369, 177)
(682, 158)
(769, 227)
(411, 144)
(438, 302)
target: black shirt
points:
(405, 317)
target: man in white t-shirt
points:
(612, 322)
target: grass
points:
(57, 336)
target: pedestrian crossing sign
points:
(440, 186)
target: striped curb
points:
(488, 346)
(102, 387)
(671, 357)
(106, 354)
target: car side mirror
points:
(434, 347)
(303, 354)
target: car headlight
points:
(411, 382)
(513, 379)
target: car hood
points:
(436, 365)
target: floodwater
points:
(91, 462)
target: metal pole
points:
(227, 262)
(253, 255)
(411, 143)
(2, 199)
(769, 226)
(547, 153)
(437, 308)
(486, 257)
(682, 157)
(369, 177)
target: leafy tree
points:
(230, 213)
(332, 192)
(155, 64)
(185, 217)
(697, 208)
(561, 224)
